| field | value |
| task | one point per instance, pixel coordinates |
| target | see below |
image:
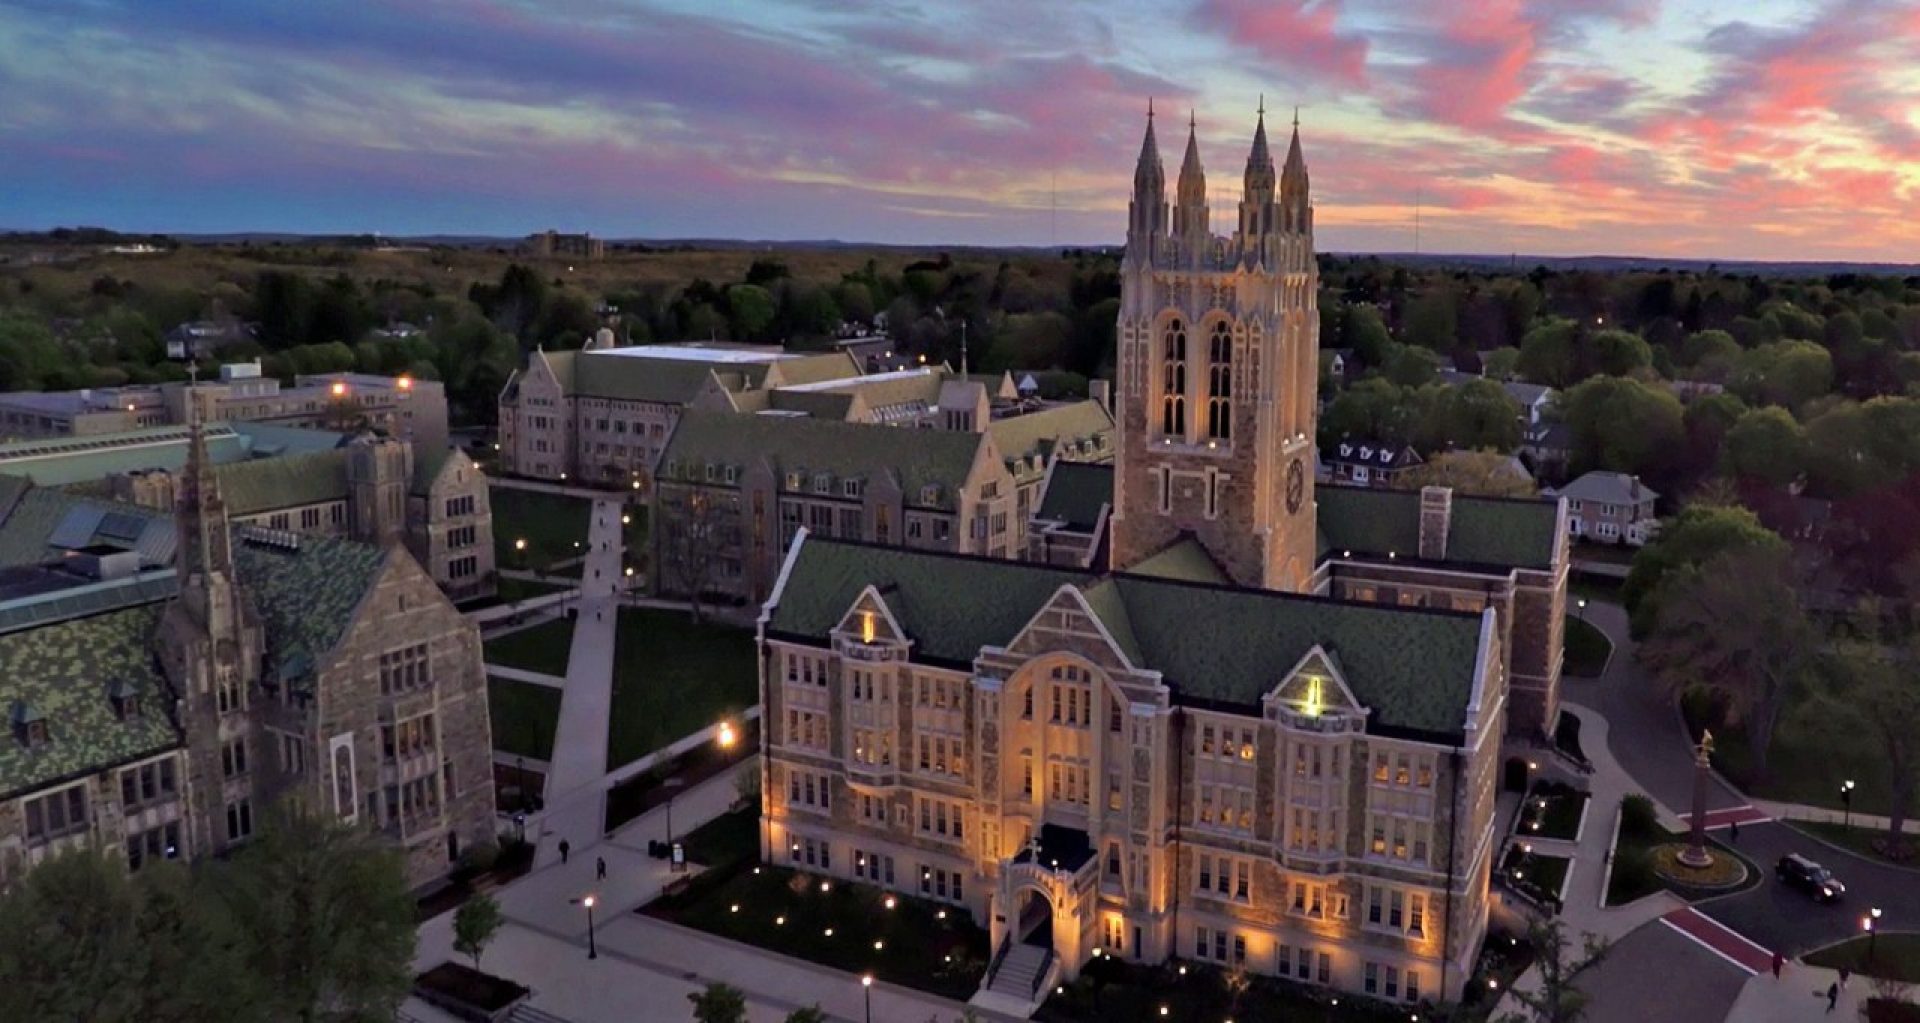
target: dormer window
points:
(822, 483)
(850, 488)
(930, 494)
(29, 725)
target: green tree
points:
(1557, 998)
(1433, 321)
(474, 925)
(1696, 535)
(719, 1003)
(1373, 409)
(1480, 414)
(326, 920)
(1622, 425)
(81, 940)
(810, 1014)
(1866, 692)
(1619, 352)
(1547, 354)
(1767, 444)
(1733, 626)
(749, 310)
(1471, 473)
(1363, 330)
(1710, 353)
(1409, 366)
(1786, 373)
(1500, 363)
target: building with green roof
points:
(1245, 719)
(167, 676)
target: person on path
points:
(1733, 832)
(599, 868)
(1833, 996)
(1844, 974)
(564, 850)
(1778, 961)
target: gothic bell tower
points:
(1219, 366)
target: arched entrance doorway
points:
(1033, 918)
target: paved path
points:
(1719, 939)
(523, 675)
(646, 967)
(1798, 994)
(574, 794)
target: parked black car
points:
(1810, 877)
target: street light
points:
(1872, 923)
(866, 987)
(1846, 803)
(1582, 604)
(726, 737)
(593, 949)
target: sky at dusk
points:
(1764, 129)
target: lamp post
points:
(866, 988)
(1872, 923)
(671, 785)
(1582, 605)
(593, 950)
(1846, 803)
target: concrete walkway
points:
(574, 795)
(646, 967)
(1800, 994)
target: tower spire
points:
(201, 513)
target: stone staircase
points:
(1019, 982)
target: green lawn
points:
(542, 648)
(921, 944)
(1896, 956)
(1587, 648)
(672, 677)
(1868, 842)
(1559, 818)
(1116, 991)
(524, 717)
(551, 525)
(1806, 763)
(1633, 874)
(507, 591)
(1541, 875)
(727, 841)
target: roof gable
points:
(1315, 687)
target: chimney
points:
(1102, 392)
(1436, 520)
(1634, 490)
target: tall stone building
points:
(168, 678)
(1265, 732)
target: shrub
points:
(1637, 816)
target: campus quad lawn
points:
(524, 717)
(1587, 648)
(543, 648)
(1868, 842)
(550, 524)
(785, 911)
(510, 591)
(1896, 956)
(672, 677)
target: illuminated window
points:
(1220, 383)
(1173, 380)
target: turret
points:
(1256, 201)
(1147, 213)
(1190, 227)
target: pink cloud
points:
(1292, 33)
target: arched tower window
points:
(1173, 380)
(1220, 383)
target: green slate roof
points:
(62, 673)
(287, 482)
(627, 378)
(37, 511)
(1075, 494)
(918, 458)
(1512, 532)
(1185, 560)
(1212, 643)
(306, 597)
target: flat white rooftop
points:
(843, 383)
(700, 351)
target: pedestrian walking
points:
(1778, 961)
(1833, 996)
(1733, 832)
(599, 868)
(564, 850)
(1844, 974)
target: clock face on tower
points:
(1296, 486)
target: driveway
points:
(1783, 918)
(1657, 973)
(1644, 733)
